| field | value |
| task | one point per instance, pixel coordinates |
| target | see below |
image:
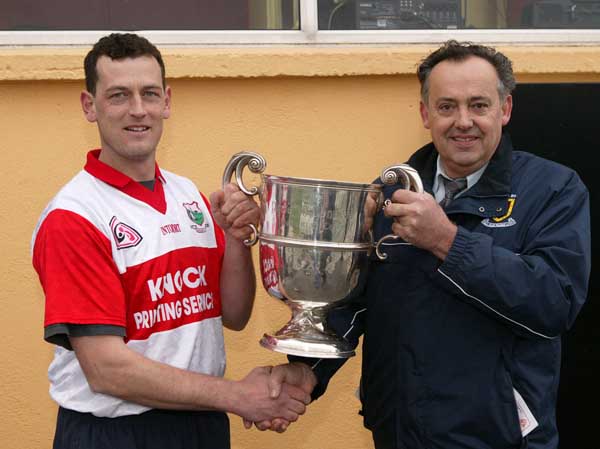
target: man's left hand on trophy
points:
(371, 209)
(234, 211)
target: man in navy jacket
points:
(462, 321)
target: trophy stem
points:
(306, 335)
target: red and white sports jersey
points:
(112, 253)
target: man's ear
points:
(507, 109)
(88, 105)
(424, 114)
(167, 110)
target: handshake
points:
(274, 397)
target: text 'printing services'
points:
(167, 311)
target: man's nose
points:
(463, 118)
(136, 106)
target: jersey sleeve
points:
(81, 282)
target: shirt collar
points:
(438, 186)
(122, 182)
(111, 176)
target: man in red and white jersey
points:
(140, 274)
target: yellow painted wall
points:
(340, 114)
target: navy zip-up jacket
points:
(447, 343)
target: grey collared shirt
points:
(438, 186)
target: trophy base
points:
(305, 335)
(332, 349)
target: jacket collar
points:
(495, 180)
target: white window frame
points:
(310, 34)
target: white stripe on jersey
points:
(69, 388)
(98, 203)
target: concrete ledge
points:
(47, 63)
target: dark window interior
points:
(457, 14)
(559, 122)
(18, 15)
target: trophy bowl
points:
(314, 244)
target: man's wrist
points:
(445, 244)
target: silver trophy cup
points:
(315, 240)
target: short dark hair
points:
(459, 51)
(119, 46)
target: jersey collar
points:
(125, 184)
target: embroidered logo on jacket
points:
(125, 236)
(197, 216)
(505, 220)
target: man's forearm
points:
(112, 368)
(238, 284)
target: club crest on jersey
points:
(125, 236)
(505, 220)
(197, 216)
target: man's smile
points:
(464, 138)
(137, 129)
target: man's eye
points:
(445, 107)
(151, 93)
(118, 95)
(480, 106)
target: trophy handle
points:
(257, 164)
(410, 180)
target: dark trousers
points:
(154, 429)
